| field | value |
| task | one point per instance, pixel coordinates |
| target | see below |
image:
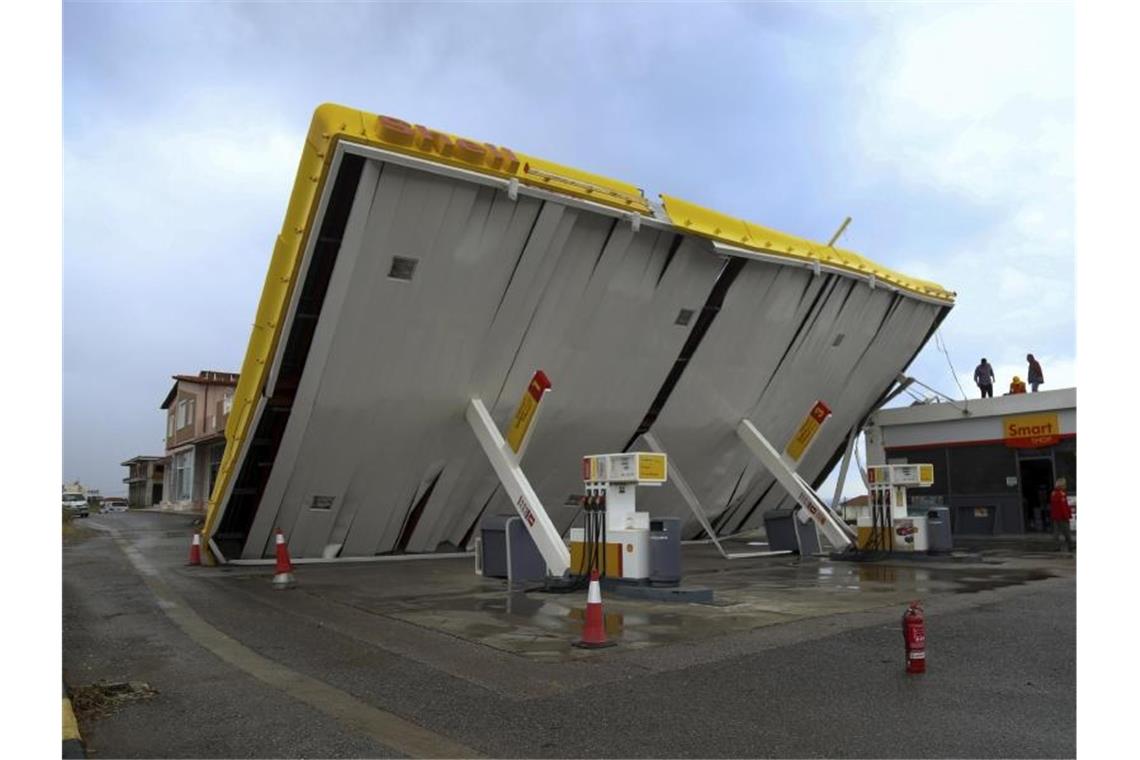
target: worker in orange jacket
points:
(1017, 386)
(1060, 513)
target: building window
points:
(1066, 467)
(182, 405)
(170, 424)
(981, 470)
(227, 403)
(183, 475)
(216, 452)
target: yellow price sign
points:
(528, 406)
(807, 430)
(651, 467)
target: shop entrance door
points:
(1036, 478)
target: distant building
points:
(79, 488)
(995, 459)
(144, 480)
(197, 408)
(849, 508)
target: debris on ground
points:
(99, 700)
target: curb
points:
(72, 741)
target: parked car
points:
(113, 504)
(75, 504)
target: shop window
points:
(981, 469)
(1065, 463)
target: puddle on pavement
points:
(544, 625)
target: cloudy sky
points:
(944, 130)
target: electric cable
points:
(604, 537)
(942, 347)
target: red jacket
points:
(1059, 509)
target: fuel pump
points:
(614, 539)
(885, 525)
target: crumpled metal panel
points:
(370, 452)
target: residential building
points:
(849, 508)
(144, 480)
(197, 408)
(995, 459)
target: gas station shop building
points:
(995, 459)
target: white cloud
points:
(973, 103)
(976, 98)
(134, 187)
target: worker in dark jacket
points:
(984, 378)
(1036, 376)
(1060, 513)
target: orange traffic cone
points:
(195, 550)
(594, 631)
(284, 573)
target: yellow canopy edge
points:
(333, 122)
(712, 224)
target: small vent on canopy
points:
(403, 268)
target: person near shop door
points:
(984, 378)
(1060, 513)
(1035, 377)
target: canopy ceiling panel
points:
(417, 271)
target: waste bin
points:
(787, 533)
(508, 551)
(939, 536)
(665, 550)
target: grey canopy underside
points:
(373, 454)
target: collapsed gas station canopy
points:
(417, 270)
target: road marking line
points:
(70, 726)
(382, 726)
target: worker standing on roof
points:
(984, 378)
(1017, 386)
(1035, 377)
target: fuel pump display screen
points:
(640, 467)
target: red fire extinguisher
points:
(914, 638)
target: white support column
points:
(812, 506)
(518, 488)
(851, 441)
(690, 497)
(686, 492)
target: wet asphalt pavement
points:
(796, 659)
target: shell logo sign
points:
(426, 140)
(1031, 431)
(807, 430)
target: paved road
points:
(242, 672)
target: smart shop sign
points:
(1031, 431)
